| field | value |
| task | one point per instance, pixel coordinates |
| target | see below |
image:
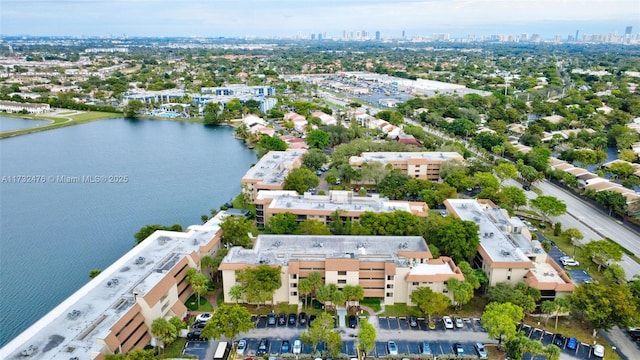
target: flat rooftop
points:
(274, 167)
(281, 249)
(338, 200)
(71, 329)
(544, 272)
(431, 269)
(500, 244)
(403, 156)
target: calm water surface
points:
(8, 124)
(52, 234)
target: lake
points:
(8, 124)
(56, 229)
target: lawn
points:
(58, 122)
(174, 350)
(373, 303)
(400, 309)
(204, 305)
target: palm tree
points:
(562, 305)
(547, 307)
(164, 331)
(305, 288)
(208, 263)
(236, 293)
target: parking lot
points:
(578, 276)
(582, 351)
(401, 323)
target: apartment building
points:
(420, 165)
(271, 171)
(31, 108)
(507, 253)
(387, 267)
(113, 312)
(323, 207)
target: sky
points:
(268, 18)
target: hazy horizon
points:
(270, 18)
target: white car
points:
(569, 262)
(393, 348)
(297, 347)
(598, 350)
(203, 317)
(448, 323)
(242, 346)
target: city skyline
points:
(268, 18)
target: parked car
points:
(263, 348)
(559, 341)
(598, 351)
(413, 321)
(426, 348)
(297, 347)
(448, 323)
(285, 347)
(526, 187)
(458, 349)
(393, 348)
(199, 325)
(311, 318)
(271, 319)
(481, 351)
(302, 318)
(195, 336)
(353, 321)
(203, 317)
(572, 343)
(569, 262)
(242, 346)
(282, 319)
(459, 322)
(293, 318)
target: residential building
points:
(507, 253)
(16, 107)
(326, 119)
(271, 171)
(420, 165)
(113, 312)
(387, 267)
(323, 207)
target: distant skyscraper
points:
(377, 35)
(319, 36)
(403, 34)
(345, 36)
(628, 30)
(313, 36)
(577, 35)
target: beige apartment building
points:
(271, 171)
(387, 267)
(507, 252)
(419, 165)
(113, 312)
(323, 207)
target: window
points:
(509, 270)
(342, 273)
(342, 281)
(389, 286)
(294, 285)
(389, 277)
(445, 291)
(415, 284)
(294, 276)
(294, 293)
(389, 294)
(509, 277)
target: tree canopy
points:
(606, 305)
(228, 321)
(430, 302)
(500, 319)
(235, 231)
(259, 283)
(301, 180)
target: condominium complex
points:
(31, 108)
(507, 253)
(271, 171)
(419, 165)
(323, 207)
(113, 312)
(387, 267)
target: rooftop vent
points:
(505, 253)
(112, 283)
(318, 244)
(140, 260)
(277, 243)
(404, 245)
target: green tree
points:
(374, 172)
(199, 283)
(605, 305)
(318, 331)
(602, 252)
(132, 108)
(305, 288)
(529, 174)
(353, 293)
(500, 320)
(286, 223)
(429, 302)
(505, 171)
(462, 291)
(235, 231)
(94, 272)
(228, 321)
(616, 273)
(366, 337)
(301, 180)
(317, 139)
(547, 307)
(259, 283)
(236, 293)
(147, 230)
(164, 331)
(314, 159)
(519, 294)
(392, 185)
(549, 205)
(313, 227)
(333, 344)
(138, 354)
(211, 111)
(562, 305)
(514, 197)
(612, 200)
(551, 352)
(391, 116)
(454, 237)
(270, 143)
